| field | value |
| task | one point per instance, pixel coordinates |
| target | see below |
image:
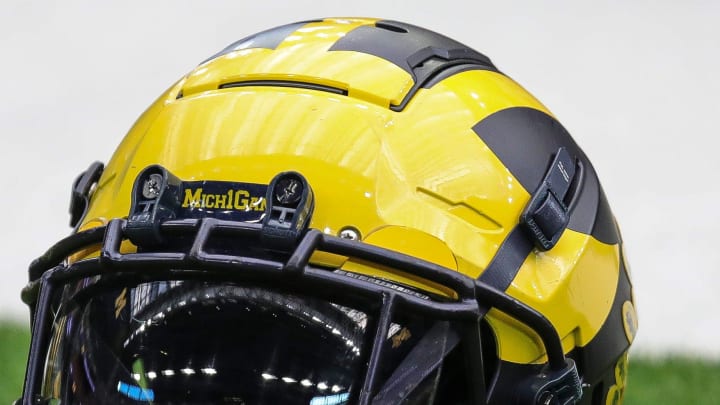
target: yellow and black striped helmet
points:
(337, 211)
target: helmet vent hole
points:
(390, 27)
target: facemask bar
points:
(472, 294)
(290, 268)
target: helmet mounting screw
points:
(151, 186)
(349, 233)
(288, 190)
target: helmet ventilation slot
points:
(285, 83)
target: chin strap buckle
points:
(546, 216)
(553, 387)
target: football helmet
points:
(336, 211)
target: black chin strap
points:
(541, 223)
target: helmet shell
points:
(431, 158)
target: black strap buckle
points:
(553, 387)
(546, 215)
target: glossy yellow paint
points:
(433, 161)
(251, 134)
(477, 201)
(573, 285)
(303, 57)
(411, 242)
(418, 181)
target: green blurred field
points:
(673, 380)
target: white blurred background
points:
(636, 83)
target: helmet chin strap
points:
(541, 224)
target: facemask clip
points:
(290, 204)
(155, 198)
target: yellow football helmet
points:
(336, 211)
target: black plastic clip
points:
(155, 198)
(80, 194)
(546, 215)
(557, 387)
(290, 204)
